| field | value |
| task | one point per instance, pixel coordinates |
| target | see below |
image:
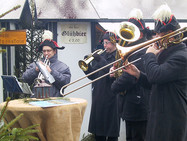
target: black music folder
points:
(11, 84)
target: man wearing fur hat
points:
(166, 74)
(133, 102)
(104, 120)
(59, 70)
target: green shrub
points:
(7, 133)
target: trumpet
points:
(83, 64)
(126, 52)
(46, 62)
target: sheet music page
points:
(52, 103)
(25, 88)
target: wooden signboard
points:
(13, 37)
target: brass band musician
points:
(57, 69)
(166, 75)
(104, 121)
(133, 102)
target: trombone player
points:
(133, 99)
(57, 69)
(166, 75)
(104, 121)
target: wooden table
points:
(60, 123)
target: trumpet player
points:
(59, 70)
(133, 99)
(104, 121)
(166, 75)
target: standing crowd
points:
(150, 95)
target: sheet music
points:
(52, 103)
(25, 88)
(12, 84)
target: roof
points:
(103, 9)
(65, 9)
(92, 9)
(7, 5)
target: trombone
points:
(126, 52)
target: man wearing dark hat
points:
(104, 121)
(56, 68)
(166, 74)
(133, 99)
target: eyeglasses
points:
(106, 42)
(46, 51)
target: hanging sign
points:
(74, 33)
(13, 37)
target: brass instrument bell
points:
(127, 32)
(83, 64)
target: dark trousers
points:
(103, 138)
(135, 130)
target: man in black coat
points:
(133, 102)
(104, 121)
(166, 72)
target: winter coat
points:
(104, 119)
(133, 98)
(168, 100)
(60, 72)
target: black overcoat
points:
(104, 120)
(168, 101)
(133, 98)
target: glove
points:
(97, 57)
(86, 56)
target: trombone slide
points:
(96, 78)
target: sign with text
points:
(74, 33)
(13, 37)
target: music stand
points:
(12, 85)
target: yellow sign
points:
(13, 37)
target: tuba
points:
(127, 32)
